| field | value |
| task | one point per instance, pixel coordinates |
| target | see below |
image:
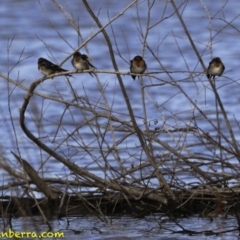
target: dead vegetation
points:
(177, 167)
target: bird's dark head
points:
(138, 58)
(41, 60)
(217, 59)
(77, 54)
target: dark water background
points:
(34, 28)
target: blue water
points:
(33, 29)
(150, 227)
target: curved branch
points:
(73, 167)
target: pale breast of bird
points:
(81, 65)
(216, 70)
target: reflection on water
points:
(150, 227)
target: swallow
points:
(215, 68)
(47, 68)
(138, 66)
(80, 62)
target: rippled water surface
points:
(151, 227)
(36, 30)
(33, 29)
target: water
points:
(32, 29)
(150, 227)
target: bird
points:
(137, 65)
(80, 62)
(47, 68)
(215, 68)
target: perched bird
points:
(80, 62)
(215, 68)
(138, 66)
(47, 68)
